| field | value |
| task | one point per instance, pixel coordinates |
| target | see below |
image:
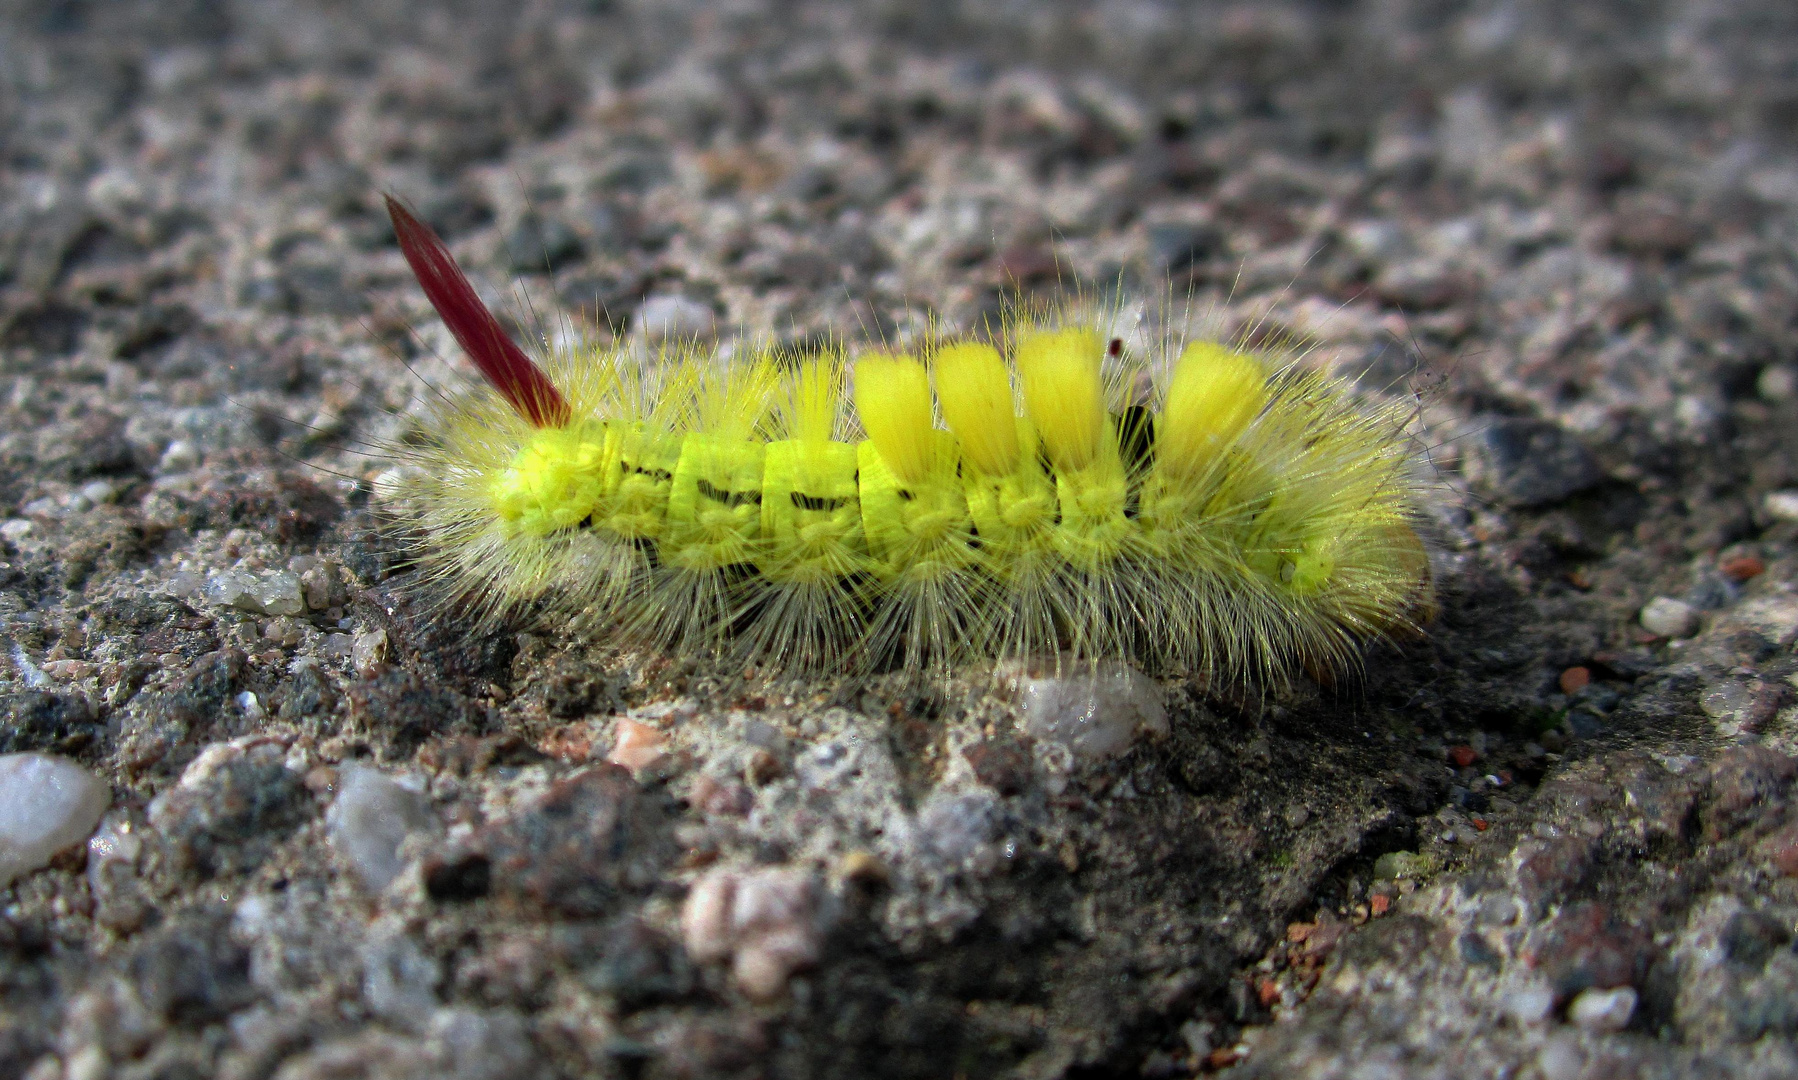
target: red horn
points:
(520, 381)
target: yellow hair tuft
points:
(1214, 394)
(892, 397)
(1064, 393)
(974, 389)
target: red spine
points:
(518, 380)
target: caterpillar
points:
(1037, 491)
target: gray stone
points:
(1534, 462)
(276, 592)
(371, 816)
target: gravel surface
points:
(1555, 838)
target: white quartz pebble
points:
(47, 803)
(1667, 617)
(674, 318)
(1096, 710)
(1601, 1011)
(1782, 505)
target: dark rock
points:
(636, 171)
(589, 841)
(283, 502)
(603, 300)
(1660, 804)
(407, 709)
(1583, 723)
(1466, 799)
(204, 692)
(1422, 285)
(112, 542)
(1175, 248)
(1746, 785)
(35, 720)
(1533, 462)
(1584, 947)
(190, 971)
(1474, 950)
(466, 755)
(437, 639)
(1396, 940)
(1750, 937)
(309, 693)
(461, 878)
(1548, 870)
(537, 245)
(152, 328)
(161, 623)
(453, 211)
(99, 449)
(639, 967)
(1004, 765)
(49, 329)
(230, 820)
(181, 716)
(573, 691)
(313, 288)
(1655, 232)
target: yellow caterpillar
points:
(1205, 511)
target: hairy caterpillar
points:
(1210, 509)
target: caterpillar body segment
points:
(1203, 510)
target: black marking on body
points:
(817, 502)
(1136, 445)
(906, 496)
(728, 498)
(1136, 438)
(661, 475)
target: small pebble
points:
(46, 804)
(369, 651)
(1530, 1005)
(1666, 617)
(769, 923)
(1561, 1058)
(638, 745)
(674, 318)
(1600, 1011)
(1575, 679)
(1742, 568)
(282, 631)
(1777, 382)
(1782, 505)
(181, 456)
(1463, 756)
(862, 867)
(1096, 711)
(372, 816)
(273, 593)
